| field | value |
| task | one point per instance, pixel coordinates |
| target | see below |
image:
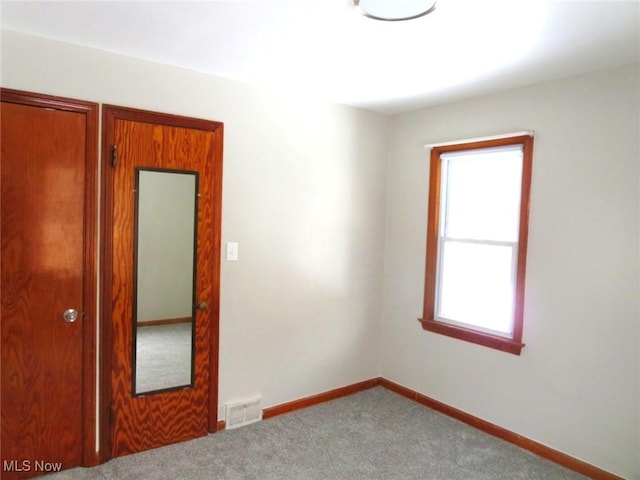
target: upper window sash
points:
(470, 209)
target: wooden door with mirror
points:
(49, 167)
(161, 223)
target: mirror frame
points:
(134, 317)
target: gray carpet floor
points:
(163, 356)
(374, 434)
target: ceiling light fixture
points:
(394, 10)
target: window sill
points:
(468, 335)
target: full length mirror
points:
(164, 279)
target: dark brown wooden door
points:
(45, 154)
(146, 139)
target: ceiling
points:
(327, 49)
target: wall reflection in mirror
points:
(164, 279)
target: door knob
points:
(70, 315)
(203, 305)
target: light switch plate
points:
(232, 251)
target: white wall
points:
(303, 192)
(304, 195)
(575, 387)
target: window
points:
(477, 241)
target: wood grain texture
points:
(147, 139)
(213, 178)
(48, 265)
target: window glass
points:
(482, 194)
(476, 285)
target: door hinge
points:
(114, 156)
